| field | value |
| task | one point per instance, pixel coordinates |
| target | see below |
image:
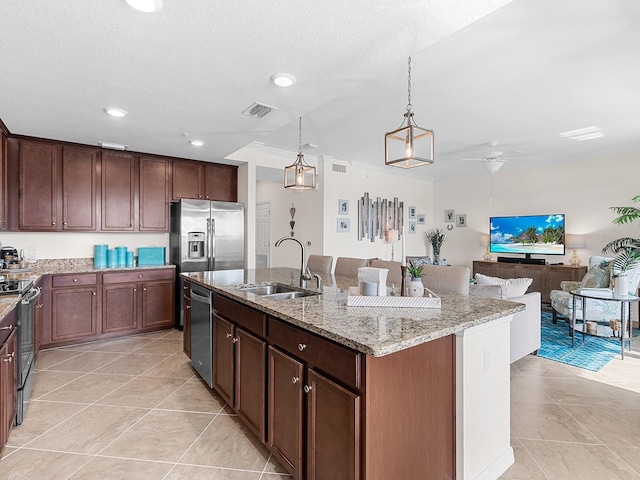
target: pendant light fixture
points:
(299, 175)
(410, 145)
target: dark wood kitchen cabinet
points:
(79, 188)
(8, 377)
(117, 192)
(153, 211)
(239, 361)
(74, 308)
(138, 300)
(4, 191)
(205, 181)
(39, 177)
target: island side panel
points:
(409, 429)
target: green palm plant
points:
(626, 249)
(414, 270)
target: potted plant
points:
(435, 237)
(626, 249)
(415, 287)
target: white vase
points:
(621, 286)
(415, 288)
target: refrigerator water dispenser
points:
(196, 244)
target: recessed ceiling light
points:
(146, 6)
(283, 79)
(115, 112)
(196, 143)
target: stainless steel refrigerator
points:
(205, 235)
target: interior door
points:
(263, 235)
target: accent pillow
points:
(515, 286)
(497, 292)
(598, 276)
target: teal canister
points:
(112, 258)
(121, 253)
(100, 255)
(130, 259)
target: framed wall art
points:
(343, 207)
(461, 220)
(412, 213)
(449, 216)
(412, 227)
(421, 219)
(344, 225)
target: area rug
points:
(591, 354)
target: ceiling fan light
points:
(146, 6)
(492, 165)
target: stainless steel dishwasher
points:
(201, 332)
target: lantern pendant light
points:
(410, 145)
(299, 175)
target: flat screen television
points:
(528, 234)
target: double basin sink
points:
(278, 291)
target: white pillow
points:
(515, 286)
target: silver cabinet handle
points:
(295, 379)
(10, 327)
(10, 357)
(135, 289)
(188, 307)
(75, 280)
(93, 293)
(302, 346)
(139, 276)
(228, 335)
(53, 223)
(234, 340)
(307, 388)
(144, 289)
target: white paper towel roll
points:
(374, 275)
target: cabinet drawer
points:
(246, 317)
(7, 325)
(137, 276)
(74, 280)
(339, 362)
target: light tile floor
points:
(133, 408)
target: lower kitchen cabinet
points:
(239, 361)
(8, 377)
(91, 306)
(74, 308)
(137, 300)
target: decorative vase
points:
(415, 288)
(436, 257)
(621, 286)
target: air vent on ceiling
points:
(258, 110)
(338, 168)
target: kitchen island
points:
(361, 392)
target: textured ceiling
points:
(515, 72)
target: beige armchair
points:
(320, 263)
(444, 279)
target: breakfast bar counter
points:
(375, 392)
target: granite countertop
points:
(55, 266)
(375, 331)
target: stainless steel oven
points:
(25, 331)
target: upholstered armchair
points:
(598, 276)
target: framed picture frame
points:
(449, 216)
(343, 225)
(412, 213)
(412, 228)
(461, 220)
(343, 207)
(419, 260)
(421, 219)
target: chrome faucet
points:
(305, 274)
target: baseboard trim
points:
(497, 467)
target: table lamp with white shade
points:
(574, 242)
(484, 241)
(392, 237)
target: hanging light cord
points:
(300, 135)
(409, 88)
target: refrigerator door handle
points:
(211, 225)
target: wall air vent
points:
(258, 110)
(338, 168)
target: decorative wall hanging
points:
(449, 216)
(343, 207)
(344, 225)
(461, 220)
(421, 219)
(292, 223)
(375, 218)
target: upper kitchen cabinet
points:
(79, 188)
(204, 181)
(118, 192)
(39, 204)
(154, 177)
(4, 194)
(187, 181)
(221, 182)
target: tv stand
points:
(526, 260)
(545, 277)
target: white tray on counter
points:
(430, 300)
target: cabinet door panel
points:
(157, 304)
(119, 307)
(154, 194)
(285, 410)
(221, 183)
(73, 313)
(187, 180)
(186, 334)
(38, 179)
(333, 430)
(4, 195)
(250, 381)
(78, 189)
(8, 388)
(223, 358)
(118, 188)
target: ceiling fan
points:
(494, 159)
